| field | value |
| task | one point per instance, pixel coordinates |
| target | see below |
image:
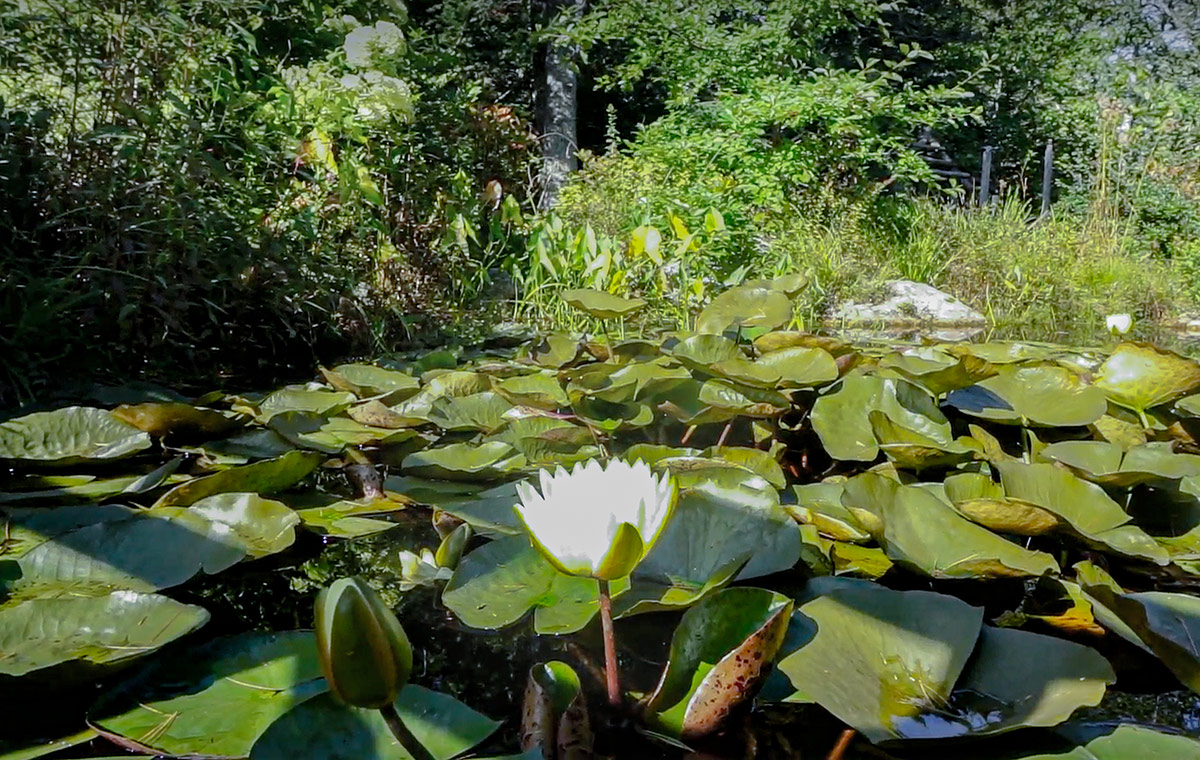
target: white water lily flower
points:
(597, 521)
(1118, 324)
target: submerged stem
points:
(403, 735)
(610, 645)
(843, 743)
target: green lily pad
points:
(317, 401)
(211, 536)
(980, 499)
(1106, 741)
(878, 658)
(41, 749)
(267, 476)
(719, 652)
(69, 436)
(122, 625)
(912, 449)
(479, 411)
(25, 528)
(923, 532)
(334, 435)
(365, 380)
(820, 505)
(178, 420)
(700, 352)
(1039, 395)
(555, 350)
(801, 367)
(1015, 679)
(98, 489)
(1139, 376)
(217, 699)
(745, 306)
(240, 448)
(842, 419)
(493, 460)
(1168, 623)
(541, 390)
(1114, 467)
(602, 305)
(940, 373)
(325, 728)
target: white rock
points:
(909, 303)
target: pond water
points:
(885, 455)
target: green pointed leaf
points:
(1040, 395)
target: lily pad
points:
(1106, 741)
(878, 658)
(365, 380)
(1168, 623)
(540, 389)
(122, 625)
(217, 699)
(178, 420)
(745, 306)
(842, 419)
(103, 556)
(719, 652)
(493, 460)
(1140, 375)
(267, 476)
(602, 305)
(317, 401)
(69, 436)
(1039, 395)
(1114, 467)
(801, 367)
(325, 728)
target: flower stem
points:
(610, 645)
(843, 743)
(403, 735)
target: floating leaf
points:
(1114, 467)
(211, 536)
(39, 633)
(1042, 395)
(69, 436)
(801, 367)
(317, 401)
(842, 419)
(1139, 376)
(540, 389)
(602, 305)
(323, 727)
(745, 306)
(176, 419)
(463, 461)
(266, 476)
(365, 380)
(719, 652)
(1168, 623)
(877, 658)
(217, 699)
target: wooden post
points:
(985, 180)
(1047, 177)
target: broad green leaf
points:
(1039, 395)
(745, 306)
(333, 436)
(317, 401)
(721, 648)
(323, 727)
(602, 305)
(1114, 467)
(877, 658)
(842, 419)
(478, 411)
(820, 505)
(980, 499)
(42, 749)
(1106, 741)
(69, 436)
(122, 625)
(364, 380)
(178, 420)
(1168, 623)
(216, 699)
(24, 527)
(493, 460)
(1139, 376)
(801, 367)
(1016, 679)
(541, 390)
(212, 536)
(267, 476)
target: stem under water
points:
(843, 743)
(610, 646)
(403, 735)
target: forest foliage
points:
(193, 189)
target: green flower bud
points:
(364, 652)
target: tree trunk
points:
(558, 101)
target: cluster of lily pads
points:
(833, 498)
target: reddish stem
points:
(843, 743)
(610, 646)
